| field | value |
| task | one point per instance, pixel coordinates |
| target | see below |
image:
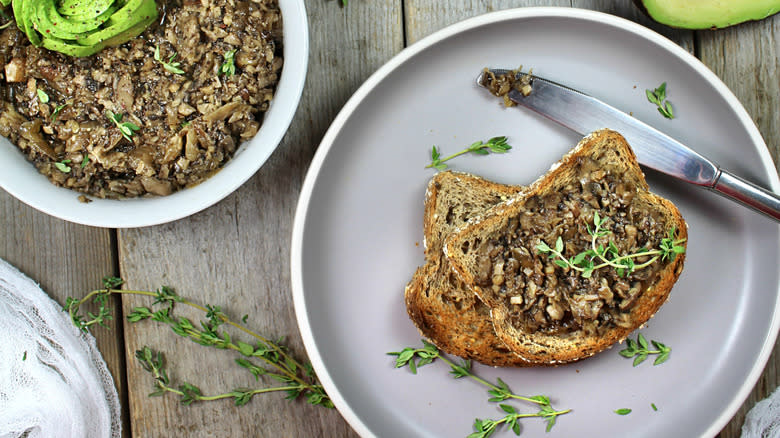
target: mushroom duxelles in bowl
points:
(217, 129)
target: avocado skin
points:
(708, 14)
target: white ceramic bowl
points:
(23, 181)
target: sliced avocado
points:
(50, 23)
(23, 14)
(82, 27)
(707, 14)
(83, 7)
(122, 21)
(74, 48)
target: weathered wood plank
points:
(629, 11)
(66, 260)
(423, 17)
(747, 59)
(236, 254)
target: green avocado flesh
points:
(82, 27)
(708, 14)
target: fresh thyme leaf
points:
(623, 411)
(24, 356)
(268, 358)
(42, 96)
(497, 145)
(586, 262)
(62, 166)
(658, 97)
(640, 350)
(126, 128)
(57, 111)
(652, 405)
(228, 67)
(169, 65)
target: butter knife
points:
(584, 114)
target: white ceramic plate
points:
(22, 180)
(358, 232)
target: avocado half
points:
(707, 14)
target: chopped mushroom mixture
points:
(545, 297)
(176, 119)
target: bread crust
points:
(547, 349)
(444, 310)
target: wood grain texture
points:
(747, 58)
(66, 260)
(627, 10)
(423, 17)
(236, 254)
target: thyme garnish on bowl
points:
(126, 128)
(262, 358)
(497, 145)
(499, 391)
(169, 65)
(600, 256)
(228, 67)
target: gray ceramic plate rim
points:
(22, 180)
(297, 249)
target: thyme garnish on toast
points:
(600, 256)
(497, 145)
(262, 358)
(499, 391)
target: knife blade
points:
(583, 114)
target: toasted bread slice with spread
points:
(547, 309)
(443, 309)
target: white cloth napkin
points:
(53, 380)
(763, 420)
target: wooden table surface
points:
(236, 254)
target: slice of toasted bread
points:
(543, 309)
(442, 308)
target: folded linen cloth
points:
(53, 380)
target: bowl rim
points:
(23, 181)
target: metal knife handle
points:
(749, 194)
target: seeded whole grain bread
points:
(444, 310)
(548, 314)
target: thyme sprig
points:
(600, 256)
(640, 349)
(169, 65)
(658, 97)
(228, 67)
(497, 145)
(262, 358)
(126, 128)
(499, 391)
